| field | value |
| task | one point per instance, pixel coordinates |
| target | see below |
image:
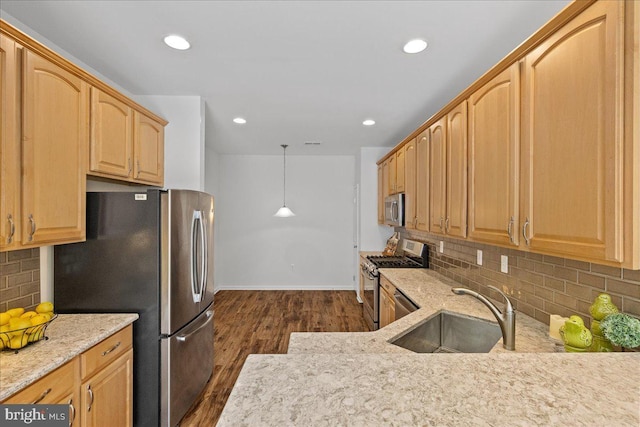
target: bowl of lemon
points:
(18, 327)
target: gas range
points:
(416, 256)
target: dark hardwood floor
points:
(259, 322)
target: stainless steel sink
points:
(451, 333)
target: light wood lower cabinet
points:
(59, 387)
(97, 385)
(387, 302)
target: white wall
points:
(184, 166)
(212, 186)
(373, 237)
(312, 250)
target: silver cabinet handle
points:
(129, 166)
(510, 229)
(42, 396)
(524, 231)
(104, 353)
(446, 225)
(138, 164)
(33, 227)
(441, 221)
(12, 228)
(90, 398)
(73, 412)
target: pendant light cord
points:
(284, 174)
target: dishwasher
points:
(404, 305)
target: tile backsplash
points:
(19, 279)
(538, 285)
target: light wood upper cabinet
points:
(572, 174)
(393, 170)
(422, 181)
(456, 219)
(55, 131)
(380, 196)
(400, 170)
(494, 131)
(437, 176)
(10, 217)
(111, 144)
(148, 149)
(410, 200)
(385, 183)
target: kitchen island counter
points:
(68, 336)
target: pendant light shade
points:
(284, 211)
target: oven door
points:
(371, 300)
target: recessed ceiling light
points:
(369, 122)
(239, 120)
(177, 42)
(415, 46)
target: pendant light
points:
(284, 211)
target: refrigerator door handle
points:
(183, 338)
(205, 256)
(196, 220)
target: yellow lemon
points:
(4, 336)
(28, 315)
(16, 326)
(1, 344)
(44, 307)
(15, 312)
(47, 314)
(4, 318)
(38, 320)
(18, 341)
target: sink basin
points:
(451, 333)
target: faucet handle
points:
(508, 306)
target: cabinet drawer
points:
(50, 388)
(387, 286)
(105, 352)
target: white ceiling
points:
(296, 70)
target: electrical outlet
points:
(504, 263)
(479, 257)
(441, 246)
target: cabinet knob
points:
(524, 231)
(90, 398)
(510, 230)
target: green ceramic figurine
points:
(576, 336)
(601, 308)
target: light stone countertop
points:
(360, 379)
(432, 293)
(69, 335)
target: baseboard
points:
(266, 287)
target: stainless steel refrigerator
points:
(150, 253)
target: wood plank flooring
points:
(259, 322)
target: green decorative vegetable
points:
(622, 330)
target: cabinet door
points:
(107, 396)
(400, 170)
(437, 169)
(54, 136)
(494, 131)
(422, 181)
(380, 195)
(386, 190)
(456, 199)
(410, 200)
(384, 308)
(9, 145)
(572, 145)
(111, 135)
(392, 175)
(148, 150)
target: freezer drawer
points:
(187, 365)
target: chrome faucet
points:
(506, 319)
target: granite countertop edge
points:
(69, 335)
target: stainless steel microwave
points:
(394, 210)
